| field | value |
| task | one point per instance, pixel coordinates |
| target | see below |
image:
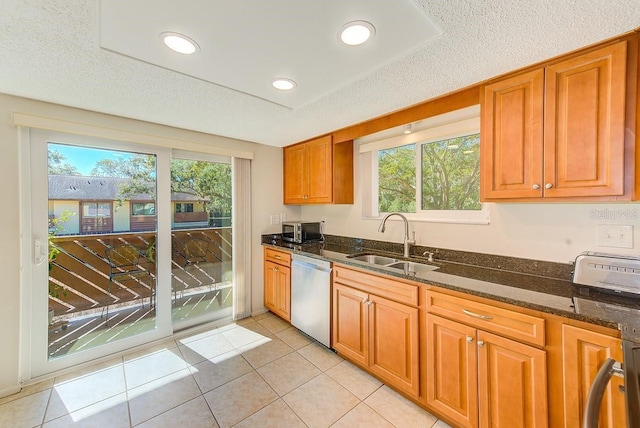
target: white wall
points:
(541, 231)
(72, 210)
(121, 216)
(267, 197)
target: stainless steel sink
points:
(411, 268)
(374, 259)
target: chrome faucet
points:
(407, 242)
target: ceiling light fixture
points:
(406, 129)
(356, 32)
(283, 84)
(179, 43)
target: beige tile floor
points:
(256, 372)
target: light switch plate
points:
(613, 235)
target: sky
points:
(84, 158)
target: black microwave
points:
(300, 232)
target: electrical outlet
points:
(615, 236)
(275, 219)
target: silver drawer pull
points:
(473, 314)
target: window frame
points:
(97, 206)
(133, 211)
(454, 124)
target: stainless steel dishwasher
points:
(311, 297)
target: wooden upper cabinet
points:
(318, 172)
(294, 174)
(558, 131)
(512, 113)
(319, 164)
(585, 124)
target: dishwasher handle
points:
(596, 392)
(311, 266)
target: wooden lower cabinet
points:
(277, 289)
(351, 323)
(378, 334)
(583, 353)
(452, 365)
(477, 378)
(512, 383)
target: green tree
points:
(58, 165)
(451, 174)
(206, 180)
(140, 169)
(397, 179)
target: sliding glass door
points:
(101, 248)
(201, 239)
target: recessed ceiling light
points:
(356, 32)
(283, 84)
(406, 129)
(179, 43)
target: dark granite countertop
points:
(555, 294)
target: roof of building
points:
(87, 188)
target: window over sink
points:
(432, 174)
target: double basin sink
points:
(409, 268)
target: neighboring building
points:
(93, 205)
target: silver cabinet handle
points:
(275, 269)
(481, 343)
(469, 339)
(536, 186)
(548, 186)
(473, 314)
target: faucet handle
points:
(430, 254)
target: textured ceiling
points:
(50, 50)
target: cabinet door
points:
(319, 176)
(512, 133)
(512, 383)
(295, 174)
(283, 293)
(350, 323)
(583, 352)
(452, 387)
(270, 285)
(393, 339)
(277, 289)
(585, 124)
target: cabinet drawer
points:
(280, 257)
(519, 326)
(396, 290)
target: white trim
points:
(35, 361)
(199, 156)
(88, 130)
